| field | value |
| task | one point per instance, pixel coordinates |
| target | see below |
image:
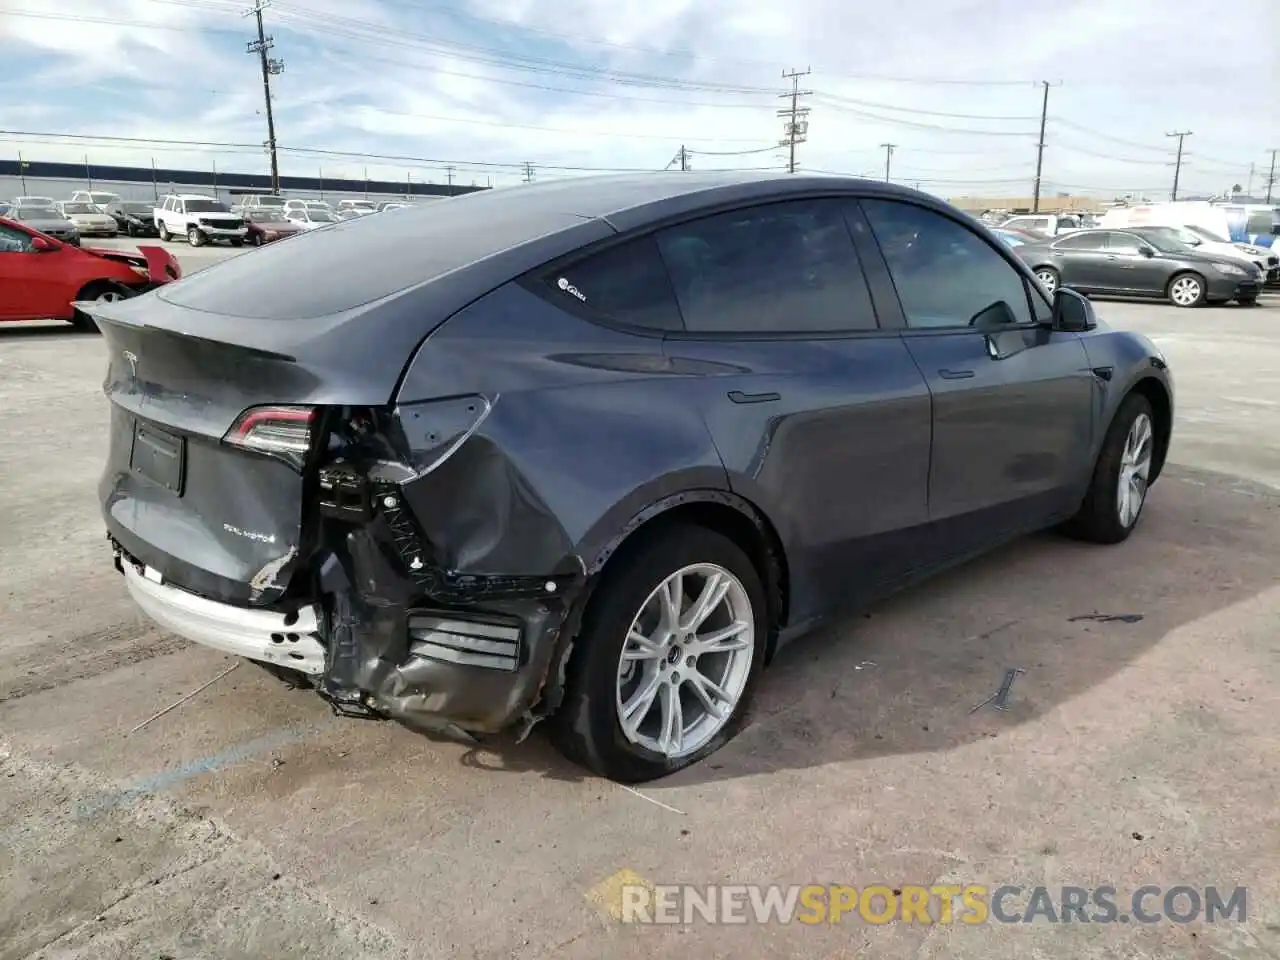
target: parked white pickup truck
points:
(199, 219)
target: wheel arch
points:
(726, 513)
(1156, 394)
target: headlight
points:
(1230, 270)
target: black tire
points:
(1187, 275)
(256, 240)
(586, 728)
(1098, 519)
(163, 232)
(195, 237)
(237, 242)
(1248, 301)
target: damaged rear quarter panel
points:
(576, 443)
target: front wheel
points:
(1186, 290)
(237, 242)
(1248, 301)
(666, 661)
(1118, 490)
(195, 237)
(1048, 278)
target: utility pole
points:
(1044, 117)
(795, 129)
(1271, 177)
(888, 158)
(449, 173)
(270, 68)
(681, 157)
(528, 172)
(22, 171)
(1177, 166)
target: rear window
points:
(354, 262)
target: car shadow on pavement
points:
(905, 676)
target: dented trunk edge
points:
(448, 592)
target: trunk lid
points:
(212, 517)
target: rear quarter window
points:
(627, 283)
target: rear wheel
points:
(1048, 278)
(98, 293)
(1118, 490)
(667, 658)
(164, 232)
(1186, 290)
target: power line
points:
(797, 125)
(837, 100)
(270, 68)
(1177, 168)
(888, 158)
(918, 125)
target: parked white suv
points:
(199, 219)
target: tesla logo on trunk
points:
(132, 359)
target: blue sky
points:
(487, 85)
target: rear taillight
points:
(283, 432)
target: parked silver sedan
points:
(48, 221)
(89, 219)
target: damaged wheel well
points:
(732, 517)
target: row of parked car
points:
(1188, 253)
(197, 218)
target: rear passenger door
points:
(1082, 260)
(821, 418)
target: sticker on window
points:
(568, 287)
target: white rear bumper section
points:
(256, 634)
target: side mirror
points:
(1072, 312)
(41, 245)
(1146, 251)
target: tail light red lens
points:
(282, 432)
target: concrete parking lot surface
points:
(249, 822)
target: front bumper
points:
(1233, 288)
(223, 233)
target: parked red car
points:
(42, 278)
(267, 225)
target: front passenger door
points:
(1012, 400)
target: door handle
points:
(955, 374)
(737, 396)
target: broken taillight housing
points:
(281, 432)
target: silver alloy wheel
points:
(1135, 468)
(686, 661)
(108, 296)
(1186, 291)
(1048, 279)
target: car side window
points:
(14, 241)
(1260, 222)
(945, 274)
(787, 267)
(627, 283)
(1082, 241)
(1124, 244)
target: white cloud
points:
(584, 83)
